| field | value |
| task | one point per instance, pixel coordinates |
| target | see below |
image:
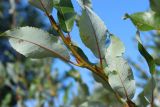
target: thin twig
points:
(95, 69)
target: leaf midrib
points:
(53, 52)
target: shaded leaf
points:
(6, 100)
(74, 74)
(141, 100)
(145, 96)
(145, 54)
(145, 21)
(84, 3)
(56, 2)
(2, 74)
(119, 73)
(81, 53)
(93, 32)
(66, 94)
(155, 4)
(48, 4)
(35, 43)
(149, 88)
(93, 104)
(66, 15)
(104, 96)
(85, 88)
(157, 61)
(105, 84)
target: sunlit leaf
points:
(119, 73)
(145, 21)
(120, 76)
(84, 3)
(93, 32)
(116, 47)
(35, 43)
(48, 4)
(145, 54)
(66, 15)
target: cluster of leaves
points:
(36, 43)
(21, 79)
(146, 21)
(112, 70)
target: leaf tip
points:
(126, 16)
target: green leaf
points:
(56, 2)
(116, 47)
(141, 101)
(48, 4)
(84, 3)
(145, 96)
(120, 76)
(119, 73)
(66, 94)
(6, 100)
(93, 104)
(66, 15)
(93, 32)
(81, 53)
(104, 96)
(149, 88)
(145, 21)
(157, 61)
(85, 89)
(155, 4)
(145, 54)
(2, 75)
(35, 43)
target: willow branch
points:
(69, 44)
